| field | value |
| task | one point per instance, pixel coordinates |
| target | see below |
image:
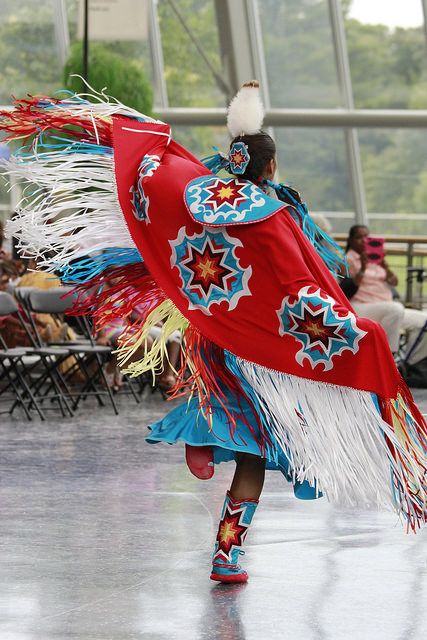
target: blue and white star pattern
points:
(323, 333)
(238, 158)
(216, 202)
(209, 269)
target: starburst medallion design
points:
(313, 320)
(209, 269)
(239, 157)
(216, 201)
(231, 533)
(229, 194)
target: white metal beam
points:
(335, 118)
(235, 42)
(351, 137)
(62, 35)
(156, 51)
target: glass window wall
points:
(29, 61)
(387, 53)
(314, 162)
(201, 140)
(394, 165)
(387, 59)
(299, 53)
(186, 25)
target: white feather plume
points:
(246, 111)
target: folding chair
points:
(22, 294)
(13, 366)
(415, 344)
(30, 371)
(417, 275)
(89, 356)
(86, 329)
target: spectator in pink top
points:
(373, 296)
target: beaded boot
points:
(236, 517)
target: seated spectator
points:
(371, 296)
(322, 222)
(53, 331)
(33, 277)
(109, 336)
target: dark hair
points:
(262, 149)
(352, 233)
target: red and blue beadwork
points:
(323, 332)
(236, 517)
(217, 201)
(209, 269)
(238, 158)
(140, 202)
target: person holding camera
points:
(371, 295)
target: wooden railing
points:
(407, 256)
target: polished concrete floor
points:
(104, 537)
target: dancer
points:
(278, 370)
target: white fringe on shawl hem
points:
(61, 187)
(337, 440)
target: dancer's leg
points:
(237, 513)
(248, 478)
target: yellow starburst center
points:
(225, 192)
(206, 268)
(315, 329)
(227, 531)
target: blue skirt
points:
(186, 423)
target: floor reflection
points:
(103, 537)
(221, 619)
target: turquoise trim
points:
(186, 424)
(216, 162)
(214, 201)
(85, 268)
